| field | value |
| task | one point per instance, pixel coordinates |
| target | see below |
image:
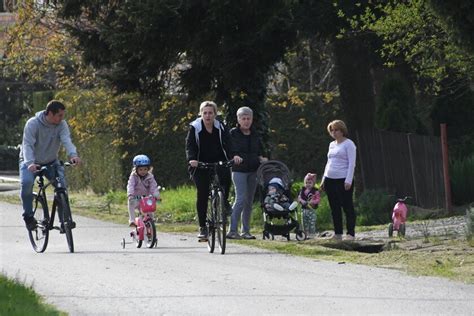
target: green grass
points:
(16, 299)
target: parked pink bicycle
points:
(145, 223)
(399, 218)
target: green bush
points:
(101, 169)
(323, 215)
(179, 205)
(462, 180)
(9, 157)
(116, 197)
(374, 207)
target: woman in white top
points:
(338, 178)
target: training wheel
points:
(123, 243)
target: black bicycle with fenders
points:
(216, 210)
(39, 236)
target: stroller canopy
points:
(273, 169)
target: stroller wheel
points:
(390, 230)
(268, 235)
(300, 235)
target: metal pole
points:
(447, 180)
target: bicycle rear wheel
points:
(211, 224)
(66, 218)
(39, 236)
(150, 233)
(221, 222)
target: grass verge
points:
(16, 299)
(448, 258)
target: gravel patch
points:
(451, 226)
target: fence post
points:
(447, 180)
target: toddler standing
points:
(309, 199)
(141, 182)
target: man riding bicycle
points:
(42, 136)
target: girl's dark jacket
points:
(248, 147)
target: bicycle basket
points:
(148, 204)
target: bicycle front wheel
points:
(67, 223)
(40, 235)
(150, 233)
(221, 222)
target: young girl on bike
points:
(141, 182)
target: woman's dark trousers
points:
(202, 179)
(340, 199)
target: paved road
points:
(9, 182)
(180, 277)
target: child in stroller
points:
(275, 190)
(276, 199)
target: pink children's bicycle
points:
(399, 218)
(145, 230)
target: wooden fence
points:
(402, 164)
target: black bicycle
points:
(39, 236)
(216, 209)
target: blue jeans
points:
(27, 180)
(245, 184)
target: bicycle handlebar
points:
(43, 168)
(212, 165)
(404, 199)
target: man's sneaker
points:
(232, 235)
(30, 222)
(247, 235)
(202, 232)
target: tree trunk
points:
(355, 82)
(353, 66)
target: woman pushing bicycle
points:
(208, 140)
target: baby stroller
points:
(267, 171)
